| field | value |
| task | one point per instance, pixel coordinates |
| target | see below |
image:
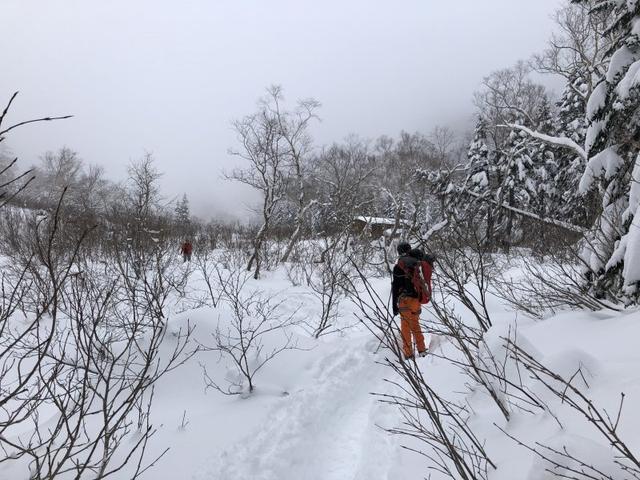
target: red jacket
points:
(187, 248)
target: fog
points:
(168, 77)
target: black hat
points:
(404, 248)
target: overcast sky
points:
(168, 76)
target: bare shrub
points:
(205, 262)
(245, 338)
(466, 269)
(439, 424)
(329, 283)
(80, 349)
(79, 370)
(570, 390)
(553, 282)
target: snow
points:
(631, 273)
(595, 105)
(634, 191)
(559, 141)
(434, 229)
(597, 100)
(325, 430)
(629, 81)
(313, 415)
(629, 246)
(480, 180)
(620, 60)
(328, 426)
(605, 163)
(378, 220)
(635, 23)
(593, 132)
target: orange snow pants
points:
(410, 325)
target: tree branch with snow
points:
(563, 142)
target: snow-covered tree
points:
(613, 146)
(572, 107)
(182, 212)
(518, 186)
(480, 172)
(479, 169)
(537, 149)
(512, 174)
(544, 166)
(567, 202)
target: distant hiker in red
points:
(411, 287)
(186, 250)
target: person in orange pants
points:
(407, 293)
(409, 308)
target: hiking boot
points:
(423, 353)
(409, 357)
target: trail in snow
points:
(328, 430)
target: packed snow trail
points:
(327, 430)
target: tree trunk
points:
(257, 245)
(294, 239)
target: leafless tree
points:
(489, 370)
(505, 94)
(578, 47)
(205, 262)
(465, 268)
(264, 147)
(93, 192)
(59, 170)
(294, 130)
(578, 53)
(400, 194)
(144, 191)
(444, 141)
(344, 174)
(141, 240)
(551, 283)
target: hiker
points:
(411, 287)
(186, 250)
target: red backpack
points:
(420, 276)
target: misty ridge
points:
(453, 302)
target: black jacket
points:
(401, 284)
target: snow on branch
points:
(551, 221)
(557, 141)
(436, 228)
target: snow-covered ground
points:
(313, 414)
